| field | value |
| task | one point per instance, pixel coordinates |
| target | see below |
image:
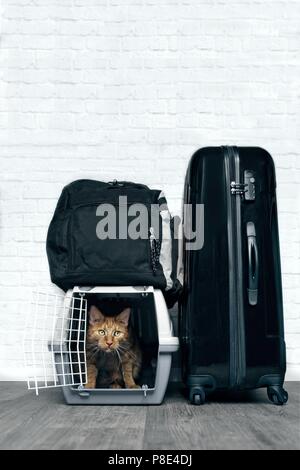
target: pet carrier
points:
(55, 343)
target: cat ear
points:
(123, 317)
(95, 316)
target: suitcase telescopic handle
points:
(253, 264)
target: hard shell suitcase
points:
(231, 314)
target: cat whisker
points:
(127, 352)
(93, 352)
(119, 357)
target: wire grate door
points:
(54, 343)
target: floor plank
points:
(239, 421)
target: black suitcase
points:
(231, 313)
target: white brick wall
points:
(129, 89)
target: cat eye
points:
(101, 332)
(117, 333)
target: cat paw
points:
(116, 386)
(133, 386)
(91, 385)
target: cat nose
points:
(109, 344)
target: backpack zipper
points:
(155, 246)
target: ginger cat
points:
(113, 353)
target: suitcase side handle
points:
(253, 264)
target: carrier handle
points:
(253, 264)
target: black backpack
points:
(82, 252)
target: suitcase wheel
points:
(277, 395)
(197, 396)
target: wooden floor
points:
(237, 422)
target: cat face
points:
(107, 333)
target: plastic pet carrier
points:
(55, 343)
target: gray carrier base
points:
(145, 396)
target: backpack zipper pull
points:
(153, 250)
(152, 237)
